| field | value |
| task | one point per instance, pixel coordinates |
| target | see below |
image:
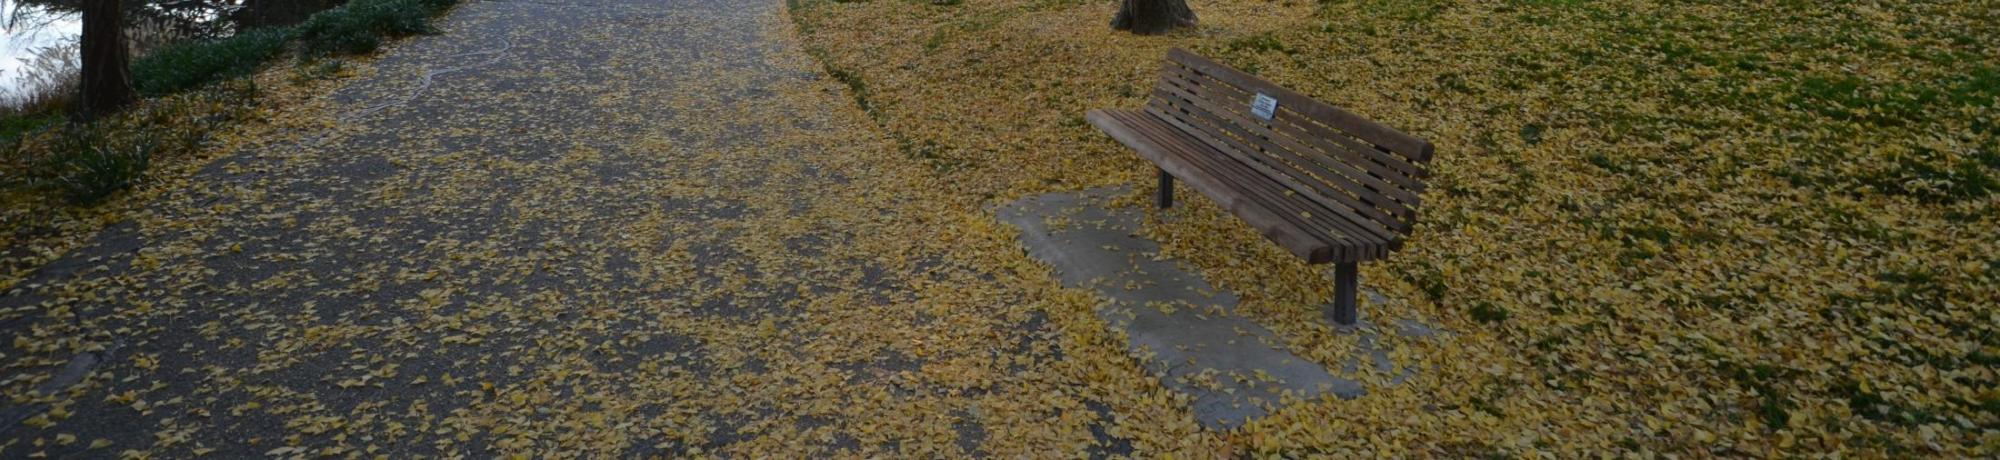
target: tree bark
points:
(107, 63)
(1152, 17)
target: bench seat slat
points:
(1324, 219)
(1277, 197)
(1358, 243)
(1366, 244)
(1343, 203)
(1121, 125)
(1320, 238)
(1346, 219)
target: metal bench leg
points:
(1344, 286)
(1166, 190)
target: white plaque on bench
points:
(1264, 107)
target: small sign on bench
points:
(1264, 107)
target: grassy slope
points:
(1657, 225)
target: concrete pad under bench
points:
(1185, 331)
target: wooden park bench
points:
(1326, 184)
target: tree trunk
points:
(1152, 17)
(107, 66)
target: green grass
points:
(1259, 43)
(14, 126)
(1489, 313)
(1404, 10)
(97, 167)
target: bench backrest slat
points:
(1293, 139)
(1336, 193)
(1411, 147)
(1383, 164)
(1322, 152)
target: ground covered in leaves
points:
(537, 233)
(1691, 227)
(631, 227)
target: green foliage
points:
(356, 28)
(855, 86)
(14, 126)
(185, 66)
(1403, 10)
(1057, 4)
(1532, 133)
(321, 70)
(89, 166)
(360, 26)
(1548, 3)
(1934, 177)
(1488, 313)
(1427, 278)
(1259, 43)
(1895, 104)
(1772, 406)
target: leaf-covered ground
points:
(623, 227)
(588, 228)
(1692, 227)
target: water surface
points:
(25, 29)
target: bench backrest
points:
(1326, 154)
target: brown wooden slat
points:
(1363, 245)
(1354, 244)
(1387, 165)
(1341, 210)
(1328, 220)
(1384, 169)
(1239, 113)
(1309, 129)
(1348, 243)
(1341, 217)
(1386, 196)
(1408, 197)
(1331, 198)
(1301, 244)
(1254, 184)
(1376, 220)
(1297, 125)
(1375, 133)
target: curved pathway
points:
(582, 227)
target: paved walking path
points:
(613, 226)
